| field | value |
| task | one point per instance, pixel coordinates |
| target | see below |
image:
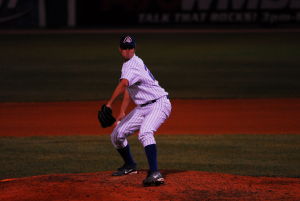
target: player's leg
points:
(156, 115)
(126, 127)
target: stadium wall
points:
(149, 13)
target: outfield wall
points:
(149, 13)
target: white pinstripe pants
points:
(146, 119)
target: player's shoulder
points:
(134, 62)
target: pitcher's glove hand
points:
(105, 116)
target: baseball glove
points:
(105, 116)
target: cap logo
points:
(127, 40)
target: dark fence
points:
(145, 13)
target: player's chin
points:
(127, 58)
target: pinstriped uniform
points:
(146, 118)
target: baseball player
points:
(152, 109)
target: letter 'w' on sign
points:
(188, 5)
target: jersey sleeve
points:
(131, 75)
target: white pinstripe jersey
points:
(142, 85)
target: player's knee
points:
(118, 139)
(146, 138)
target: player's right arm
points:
(125, 103)
(120, 89)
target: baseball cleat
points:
(125, 169)
(154, 179)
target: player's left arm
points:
(120, 89)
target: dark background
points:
(153, 13)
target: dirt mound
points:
(180, 185)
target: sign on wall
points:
(266, 12)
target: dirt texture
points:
(180, 185)
(230, 116)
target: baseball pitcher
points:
(153, 107)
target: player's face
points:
(127, 53)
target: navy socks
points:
(151, 153)
(126, 155)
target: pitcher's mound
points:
(180, 185)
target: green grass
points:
(256, 155)
(63, 67)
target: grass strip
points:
(255, 155)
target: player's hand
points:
(119, 118)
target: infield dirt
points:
(180, 185)
(228, 116)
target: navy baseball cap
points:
(127, 42)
